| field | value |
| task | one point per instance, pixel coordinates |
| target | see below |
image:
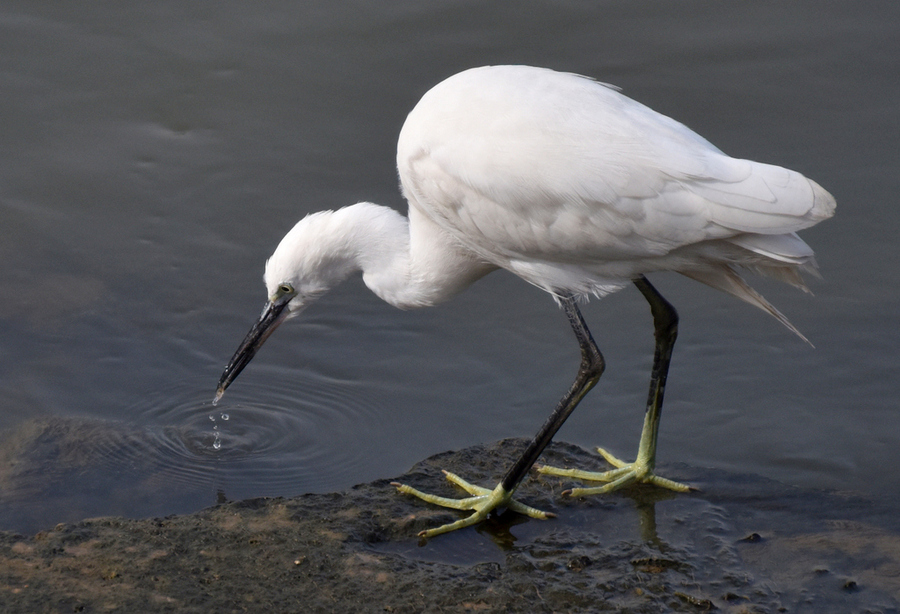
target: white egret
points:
(576, 189)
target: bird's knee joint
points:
(666, 325)
(593, 365)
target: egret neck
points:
(406, 269)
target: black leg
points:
(665, 325)
(592, 366)
(483, 500)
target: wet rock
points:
(639, 550)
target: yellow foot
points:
(623, 475)
(482, 501)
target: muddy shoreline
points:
(742, 544)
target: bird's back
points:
(575, 187)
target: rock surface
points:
(742, 544)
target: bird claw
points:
(483, 501)
(623, 475)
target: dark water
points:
(152, 156)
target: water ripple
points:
(310, 434)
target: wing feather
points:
(564, 169)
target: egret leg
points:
(484, 500)
(665, 323)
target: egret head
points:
(310, 259)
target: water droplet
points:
(217, 443)
(225, 416)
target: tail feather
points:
(727, 280)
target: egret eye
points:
(285, 289)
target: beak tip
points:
(220, 391)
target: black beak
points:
(273, 314)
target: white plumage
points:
(568, 184)
(575, 187)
